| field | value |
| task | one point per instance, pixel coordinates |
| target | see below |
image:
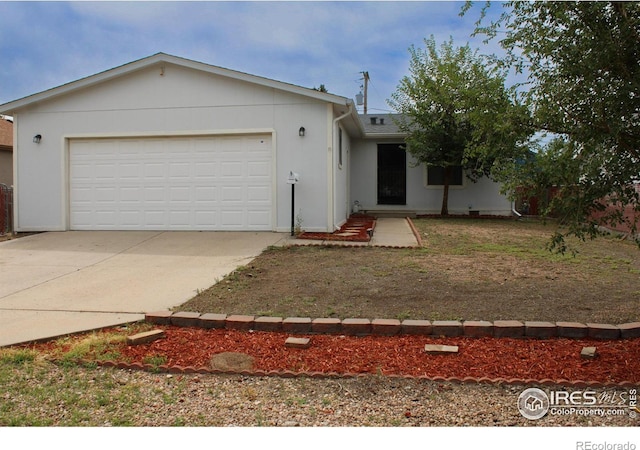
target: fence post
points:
(6, 209)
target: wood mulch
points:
(358, 228)
(493, 358)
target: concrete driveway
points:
(53, 284)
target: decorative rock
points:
(588, 353)
(146, 337)
(433, 349)
(294, 342)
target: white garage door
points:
(190, 183)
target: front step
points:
(390, 213)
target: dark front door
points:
(392, 175)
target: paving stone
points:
(212, 320)
(434, 349)
(541, 330)
(573, 330)
(416, 327)
(327, 325)
(146, 337)
(159, 317)
(629, 330)
(446, 328)
(588, 353)
(356, 327)
(266, 323)
(386, 327)
(185, 319)
(297, 325)
(294, 342)
(239, 322)
(508, 328)
(477, 328)
(603, 331)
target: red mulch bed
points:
(527, 359)
(354, 230)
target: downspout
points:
(332, 165)
(513, 210)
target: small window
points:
(435, 176)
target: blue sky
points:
(46, 44)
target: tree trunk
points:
(444, 211)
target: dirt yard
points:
(466, 270)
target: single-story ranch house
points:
(166, 143)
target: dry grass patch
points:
(467, 269)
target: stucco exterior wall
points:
(483, 196)
(169, 100)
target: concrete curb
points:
(391, 327)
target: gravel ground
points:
(229, 400)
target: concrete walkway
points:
(54, 284)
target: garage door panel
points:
(198, 183)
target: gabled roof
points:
(158, 59)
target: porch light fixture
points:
(301, 132)
(37, 138)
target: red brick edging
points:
(392, 327)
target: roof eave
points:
(385, 135)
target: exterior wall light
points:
(37, 138)
(301, 132)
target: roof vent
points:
(381, 121)
(373, 120)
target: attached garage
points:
(166, 143)
(171, 183)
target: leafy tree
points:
(456, 111)
(583, 61)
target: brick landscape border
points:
(387, 327)
(392, 327)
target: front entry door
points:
(392, 175)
